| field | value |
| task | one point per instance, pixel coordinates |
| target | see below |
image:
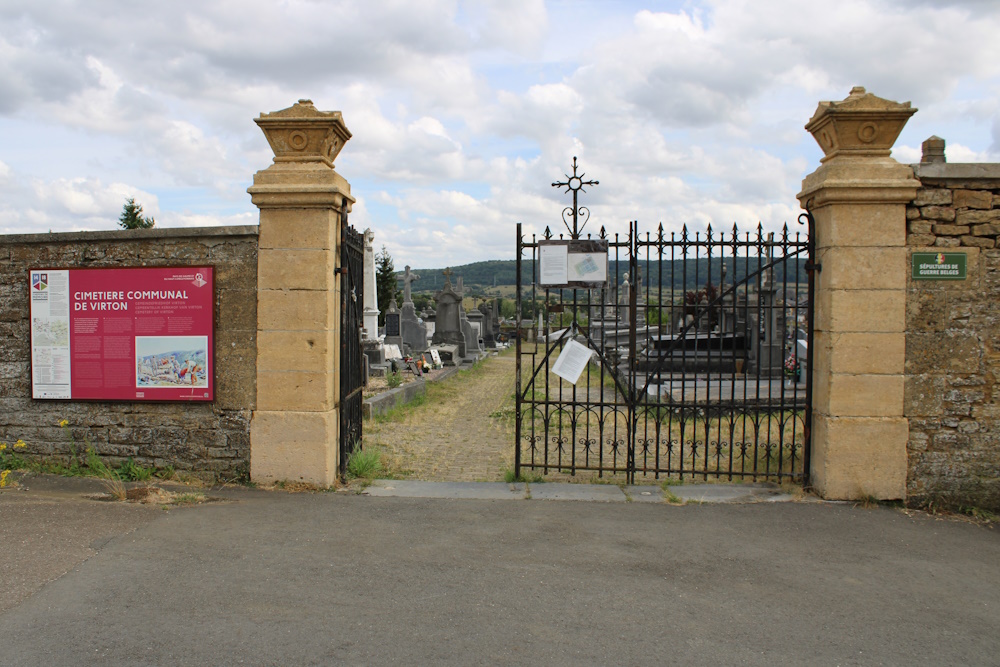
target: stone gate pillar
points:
(858, 197)
(294, 431)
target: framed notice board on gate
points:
(573, 263)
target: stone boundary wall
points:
(208, 440)
(952, 386)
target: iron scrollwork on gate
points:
(702, 355)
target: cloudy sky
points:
(464, 112)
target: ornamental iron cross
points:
(575, 185)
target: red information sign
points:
(141, 334)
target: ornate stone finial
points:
(933, 150)
(301, 133)
(447, 277)
(862, 125)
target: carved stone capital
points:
(301, 133)
(862, 125)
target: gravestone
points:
(448, 320)
(393, 328)
(488, 309)
(769, 334)
(472, 348)
(477, 319)
(370, 289)
(448, 354)
(412, 330)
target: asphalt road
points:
(326, 579)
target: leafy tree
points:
(132, 217)
(508, 309)
(422, 301)
(386, 285)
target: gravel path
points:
(455, 435)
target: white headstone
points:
(371, 291)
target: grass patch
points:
(529, 478)
(401, 410)
(394, 379)
(365, 463)
(130, 471)
(110, 479)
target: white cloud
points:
(464, 111)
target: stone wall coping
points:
(130, 234)
(957, 170)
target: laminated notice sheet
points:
(572, 361)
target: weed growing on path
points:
(669, 496)
(110, 479)
(365, 463)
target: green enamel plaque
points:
(938, 266)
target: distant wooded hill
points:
(677, 274)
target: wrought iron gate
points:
(702, 355)
(352, 379)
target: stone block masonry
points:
(952, 392)
(210, 440)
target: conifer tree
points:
(386, 284)
(132, 217)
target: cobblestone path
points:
(456, 435)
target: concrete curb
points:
(602, 493)
(386, 401)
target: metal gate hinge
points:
(813, 266)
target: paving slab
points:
(401, 488)
(726, 493)
(644, 493)
(639, 493)
(604, 493)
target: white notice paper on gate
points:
(552, 264)
(572, 360)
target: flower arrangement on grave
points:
(792, 369)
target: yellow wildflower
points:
(3, 446)
(19, 444)
(64, 423)
(3, 478)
